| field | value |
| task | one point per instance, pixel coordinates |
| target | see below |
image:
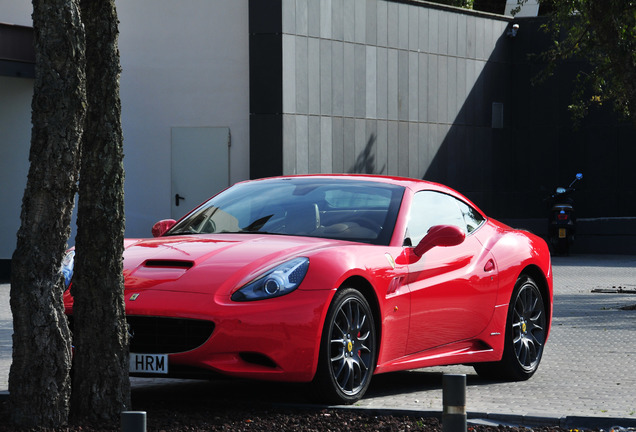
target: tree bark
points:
(101, 387)
(39, 382)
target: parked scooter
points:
(562, 219)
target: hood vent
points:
(169, 264)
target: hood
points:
(206, 263)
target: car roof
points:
(411, 183)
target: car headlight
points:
(277, 282)
(68, 263)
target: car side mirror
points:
(439, 235)
(162, 226)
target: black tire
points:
(347, 349)
(526, 329)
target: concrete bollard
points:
(133, 421)
(454, 400)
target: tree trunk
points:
(101, 387)
(39, 382)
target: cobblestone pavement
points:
(588, 367)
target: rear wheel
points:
(347, 350)
(526, 329)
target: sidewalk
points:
(588, 368)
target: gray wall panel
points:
(403, 26)
(302, 78)
(371, 148)
(442, 33)
(452, 34)
(392, 87)
(382, 23)
(433, 31)
(414, 161)
(452, 104)
(326, 68)
(360, 78)
(325, 18)
(313, 18)
(382, 83)
(371, 31)
(392, 25)
(403, 85)
(302, 144)
(349, 95)
(326, 145)
(337, 19)
(462, 41)
(313, 75)
(371, 81)
(414, 29)
(360, 157)
(413, 86)
(337, 80)
(360, 21)
(289, 74)
(289, 16)
(423, 30)
(423, 87)
(301, 17)
(392, 148)
(433, 89)
(289, 144)
(338, 145)
(382, 147)
(471, 36)
(423, 157)
(314, 144)
(403, 149)
(462, 94)
(349, 143)
(349, 19)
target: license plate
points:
(562, 233)
(149, 363)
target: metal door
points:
(200, 166)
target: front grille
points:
(160, 335)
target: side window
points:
(432, 208)
(471, 216)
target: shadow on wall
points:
(366, 160)
(471, 138)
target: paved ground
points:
(588, 369)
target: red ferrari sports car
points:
(330, 279)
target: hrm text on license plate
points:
(149, 363)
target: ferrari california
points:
(330, 279)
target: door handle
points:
(490, 266)
(177, 199)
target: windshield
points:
(344, 209)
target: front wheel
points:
(526, 330)
(347, 349)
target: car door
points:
(453, 289)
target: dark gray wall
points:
(420, 90)
(378, 86)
